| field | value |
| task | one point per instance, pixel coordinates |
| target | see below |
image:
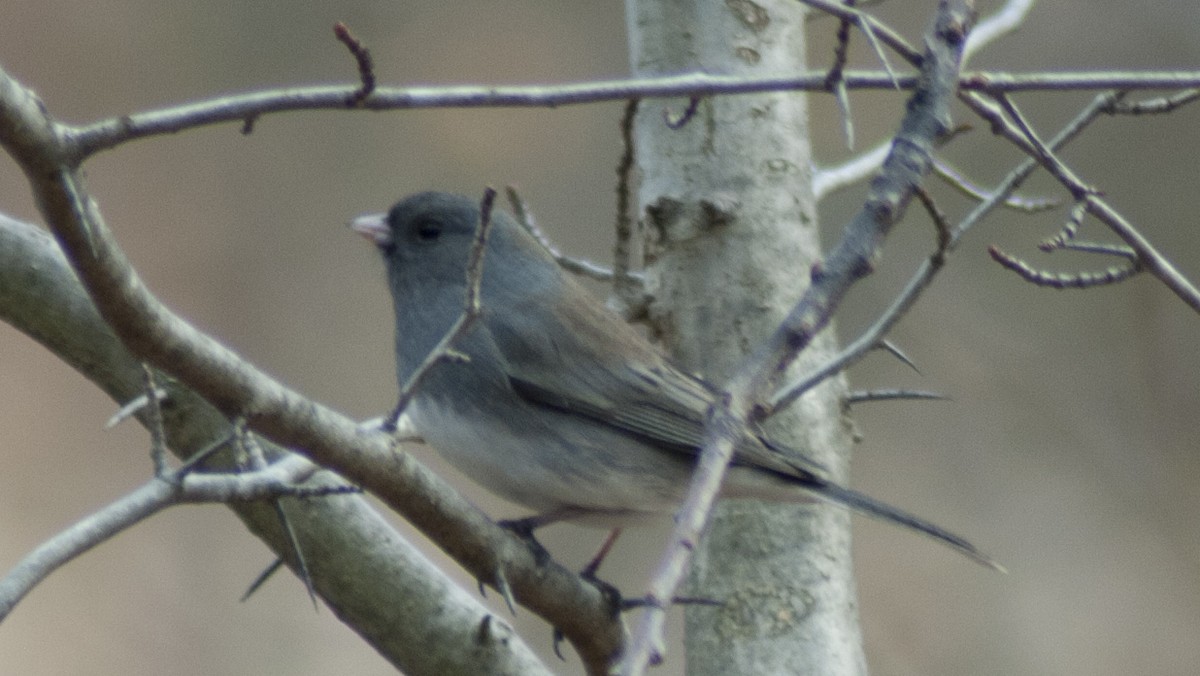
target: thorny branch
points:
(50, 153)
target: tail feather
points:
(865, 504)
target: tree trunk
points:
(728, 211)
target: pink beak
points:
(374, 227)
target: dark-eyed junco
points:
(561, 406)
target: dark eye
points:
(428, 231)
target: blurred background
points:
(1068, 449)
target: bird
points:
(550, 399)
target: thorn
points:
(262, 578)
(301, 564)
(558, 639)
(523, 530)
(862, 396)
(501, 584)
(199, 457)
(485, 630)
(647, 602)
(896, 352)
(133, 407)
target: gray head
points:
(426, 239)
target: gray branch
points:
(409, 605)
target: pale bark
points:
(728, 203)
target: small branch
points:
(1074, 221)
(1119, 250)
(1058, 280)
(151, 498)
(132, 408)
(444, 350)
(834, 82)
(830, 180)
(1020, 133)
(869, 31)
(925, 273)
(1149, 258)
(627, 287)
(1069, 179)
(990, 29)
(106, 134)
(969, 189)
(1158, 106)
(872, 27)
(250, 453)
(576, 266)
(154, 422)
(1017, 176)
(940, 224)
(366, 65)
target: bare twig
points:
(627, 287)
(872, 27)
(996, 25)
(1074, 221)
(814, 16)
(988, 30)
(1156, 106)
(1020, 133)
(960, 183)
(251, 455)
(940, 224)
(1060, 280)
(869, 31)
(834, 81)
(829, 180)
(154, 423)
(1047, 156)
(1149, 257)
(577, 266)
(132, 408)
(925, 273)
(1119, 250)
(151, 498)
(366, 65)
(93, 138)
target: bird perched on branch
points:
(548, 398)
